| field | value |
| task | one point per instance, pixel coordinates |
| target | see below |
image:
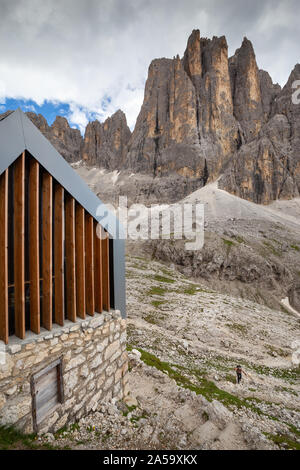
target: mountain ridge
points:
(204, 116)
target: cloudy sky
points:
(86, 58)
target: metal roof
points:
(17, 134)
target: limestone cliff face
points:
(186, 124)
(206, 63)
(65, 139)
(268, 167)
(259, 171)
(105, 144)
(246, 92)
(207, 116)
(269, 92)
(285, 105)
(165, 137)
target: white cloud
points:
(81, 52)
(2, 92)
(29, 107)
(78, 116)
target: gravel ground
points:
(184, 341)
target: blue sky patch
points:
(51, 109)
(48, 109)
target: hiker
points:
(239, 372)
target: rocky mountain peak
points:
(204, 116)
(246, 92)
(186, 124)
(61, 123)
(192, 56)
(40, 122)
(105, 144)
(65, 139)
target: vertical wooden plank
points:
(4, 256)
(89, 264)
(19, 242)
(59, 302)
(34, 251)
(47, 250)
(70, 257)
(80, 261)
(97, 270)
(105, 272)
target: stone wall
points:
(94, 365)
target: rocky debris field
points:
(184, 342)
(251, 251)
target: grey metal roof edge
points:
(18, 133)
(12, 142)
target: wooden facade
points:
(54, 267)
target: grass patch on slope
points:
(200, 385)
(283, 441)
(159, 278)
(12, 439)
(157, 290)
(295, 247)
(228, 242)
(196, 381)
(157, 303)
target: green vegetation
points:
(67, 430)
(137, 266)
(231, 378)
(237, 327)
(280, 352)
(295, 247)
(150, 319)
(200, 385)
(196, 381)
(140, 258)
(157, 290)
(239, 239)
(12, 439)
(157, 303)
(129, 410)
(153, 318)
(167, 272)
(192, 290)
(159, 278)
(285, 389)
(228, 242)
(289, 375)
(272, 248)
(283, 441)
(135, 418)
